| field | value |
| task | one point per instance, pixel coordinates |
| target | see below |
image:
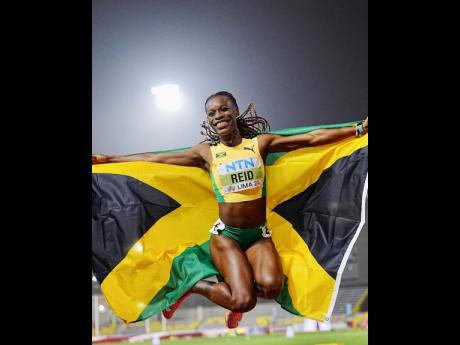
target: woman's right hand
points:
(99, 159)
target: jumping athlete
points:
(234, 153)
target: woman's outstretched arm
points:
(193, 157)
(278, 143)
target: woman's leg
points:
(236, 292)
(266, 265)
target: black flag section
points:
(325, 214)
(120, 219)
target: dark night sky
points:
(301, 62)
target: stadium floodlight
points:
(167, 97)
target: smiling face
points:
(221, 114)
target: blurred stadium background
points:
(198, 317)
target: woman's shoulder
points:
(202, 150)
(202, 146)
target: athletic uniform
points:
(237, 175)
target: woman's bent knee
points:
(270, 289)
(244, 302)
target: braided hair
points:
(249, 124)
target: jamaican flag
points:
(151, 221)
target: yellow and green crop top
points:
(238, 173)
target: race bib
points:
(241, 174)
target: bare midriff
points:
(246, 214)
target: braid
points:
(209, 134)
(249, 123)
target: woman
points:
(234, 153)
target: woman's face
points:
(221, 114)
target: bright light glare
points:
(167, 97)
(101, 308)
(138, 247)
